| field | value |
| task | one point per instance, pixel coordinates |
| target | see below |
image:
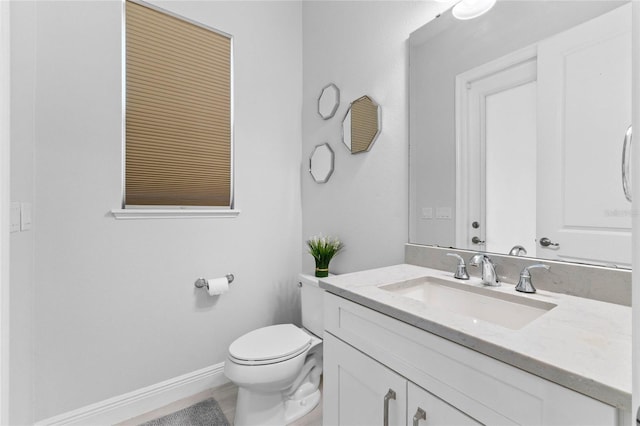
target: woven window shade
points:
(178, 111)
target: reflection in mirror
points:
(361, 125)
(321, 163)
(517, 124)
(328, 101)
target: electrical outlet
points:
(443, 213)
(25, 216)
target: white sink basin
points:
(479, 304)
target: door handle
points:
(391, 394)
(476, 240)
(420, 415)
(546, 242)
(626, 164)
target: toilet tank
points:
(312, 304)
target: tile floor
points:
(226, 397)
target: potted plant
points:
(323, 249)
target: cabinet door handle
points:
(391, 394)
(420, 415)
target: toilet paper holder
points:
(202, 282)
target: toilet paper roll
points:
(217, 286)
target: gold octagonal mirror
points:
(361, 125)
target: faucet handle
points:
(525, 271)
(461, 270)
(478, 258)
(518, 250)
(524, 284)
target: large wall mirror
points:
(517, 125)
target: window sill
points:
(127, 214)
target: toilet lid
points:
(273, 343)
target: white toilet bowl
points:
(277, 368)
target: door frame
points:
(470, 102)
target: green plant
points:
(323, 249)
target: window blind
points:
(178, 111)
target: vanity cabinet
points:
(367, 353)
(360, 391)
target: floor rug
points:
(204, 413)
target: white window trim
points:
(173, 213)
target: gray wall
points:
(22, 190)
(361, 46)
(115, 307)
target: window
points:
(178, 120)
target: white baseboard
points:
(141, 401)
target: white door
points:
(357, 389)
(584, 110)
(510, 176)
(429, 410)
(496, 150)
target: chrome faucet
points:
(489, 276)
(518, 251)
(524, 284)
(461, 269)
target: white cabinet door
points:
(584, 110)
(429, 410)
(355, 387)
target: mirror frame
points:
(326, 177)
(324, 94)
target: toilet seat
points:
(269, 345)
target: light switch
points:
(443, 213)
(15, 217)
(427, 213)
(25, 216)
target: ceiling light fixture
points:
(469, 9)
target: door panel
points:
(584, 110)
(495, 181)
(510, 172)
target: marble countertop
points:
(582, 344)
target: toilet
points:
(277, 368)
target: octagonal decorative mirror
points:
(321, 163)
(328, 101)
(361, 125)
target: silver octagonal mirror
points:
(328, 101)
(321, 163)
